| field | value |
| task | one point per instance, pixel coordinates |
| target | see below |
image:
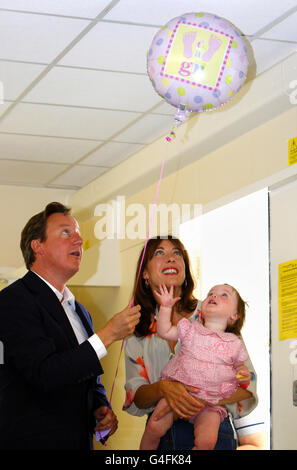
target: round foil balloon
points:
(197, 62)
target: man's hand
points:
(120, 325)
(106, 419)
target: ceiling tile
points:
(284, 31)
(111, 46)
(16, 172)
(85, 8)
(147, 129)
(65, 121)
(267, 53)
(78, 176)
(92, 88)
(87, 110)
(17, 76)
(248, 16)
(36, 38)
(111, 154)
(165, 108)
(43, 149)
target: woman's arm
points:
(239, 395)
(147, 396)
(243, 378)
(256, 441)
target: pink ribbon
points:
(150, 226)
(99, 435)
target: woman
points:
(167, 262)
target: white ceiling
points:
(76, 96)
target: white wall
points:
(17, 205)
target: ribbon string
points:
(100, 436)
(149, 228)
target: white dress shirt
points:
(67, 300)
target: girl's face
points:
(221, 302)
(167, 266)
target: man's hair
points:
(36, 229)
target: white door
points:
(283, 248)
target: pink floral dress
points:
(206, 360)
(145, 358)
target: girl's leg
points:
(156, 429)
(206, 428)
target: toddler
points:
(207, 359)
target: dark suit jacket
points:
(49, 384)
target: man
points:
(50, 390)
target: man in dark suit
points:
(50, 391)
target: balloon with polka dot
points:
(197, 61)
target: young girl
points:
(207, 360)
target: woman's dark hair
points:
(143, 294)
(35, 229)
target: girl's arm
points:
(246, 389)
(164, 326)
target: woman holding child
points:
(166, 262)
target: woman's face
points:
(167, 267)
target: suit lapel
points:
(47, 300)
(84, 319)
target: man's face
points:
(61, 252)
